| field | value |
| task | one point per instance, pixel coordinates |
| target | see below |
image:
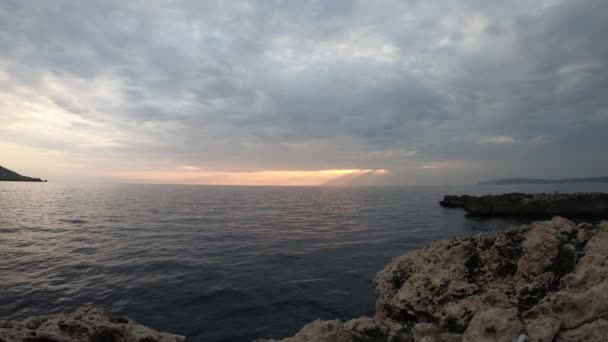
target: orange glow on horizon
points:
(191, 175)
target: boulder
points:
(543, 329)
(494, 325)
(596, 331)
(454, 201)
(362, 329)
(582, 295)
(85, 324)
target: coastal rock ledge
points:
(582, 204)
(547, 281)
(85, 324)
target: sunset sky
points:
(303, 92)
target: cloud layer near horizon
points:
(449, 90)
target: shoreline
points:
(544, 205)
(84, 324)
(541, 282)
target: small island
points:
(12, 176)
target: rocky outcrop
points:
(85, 324)
(450, 201)
(364, 329)
(532, 205)
(8, 175)
(544, 282)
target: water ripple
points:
(213, 263)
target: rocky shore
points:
(532, 205)
(547, 281)
(85, 324)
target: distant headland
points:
(508, 181)
(12, 176)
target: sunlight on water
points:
(214, 263)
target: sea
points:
(219, 263)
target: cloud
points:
(538, 140)
(310, 85)
(189, 168)
(499, 139)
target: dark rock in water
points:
(532, 205)
(85, 324)
(12, 176)
(454, 201)
(543, 282)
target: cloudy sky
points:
(300, 92)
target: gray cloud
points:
(275, 85)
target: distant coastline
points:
(510, 181)
(7, 175)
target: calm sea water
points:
(217, 263)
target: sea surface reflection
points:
(217, 263)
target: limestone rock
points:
(494, 325)
(362, 329)
(539, 249)
(85, 324)
(553, 275)
(596, 331)
(428, 332)
(543, 329)
(583, 294)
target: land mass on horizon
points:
(12, 176)
(507, 181)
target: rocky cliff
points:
(532, 205)
(8, 175)
(544, 282)
(85, 324)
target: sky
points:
(303, 92)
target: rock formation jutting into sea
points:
(547, 281)
(12, 176)
(532, 205)
(85, 324)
